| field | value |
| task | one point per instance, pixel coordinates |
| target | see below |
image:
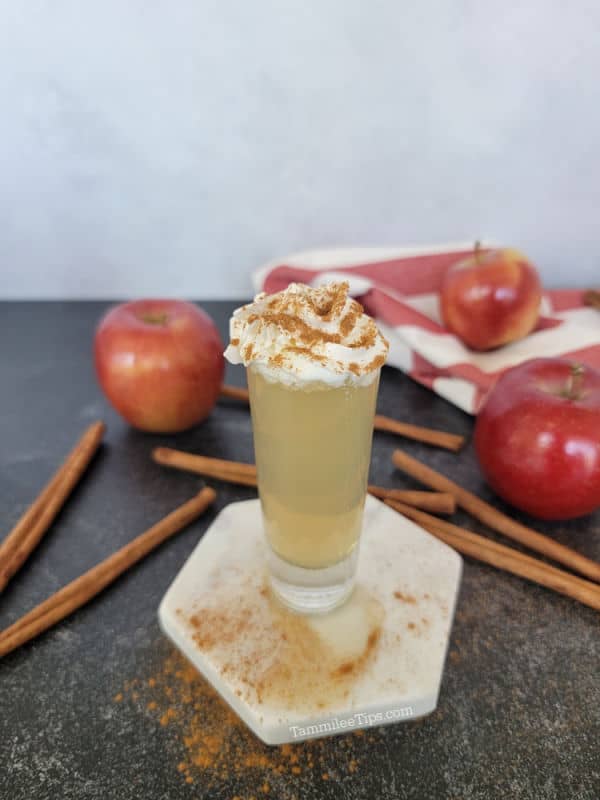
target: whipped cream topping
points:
(305, 334)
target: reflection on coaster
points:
(377, 659)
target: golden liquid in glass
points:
(312, 447)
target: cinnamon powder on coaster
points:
(277, 658)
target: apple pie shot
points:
(313, 359)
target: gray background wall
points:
(154, 147)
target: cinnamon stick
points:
(235, 393)
(80, 591)
(34, 523)
(30, 515)
(448, 441)
(496, 519)
(245, 474)
(195, 463)
(436, 502)
(505, 558)
(230, 471)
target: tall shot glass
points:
(312, 446)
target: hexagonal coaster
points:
(376, 660)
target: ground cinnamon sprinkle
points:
(302, 330)
(274, 656)
(215, 748)
(405, 598)
(286, 312)
(376, 363)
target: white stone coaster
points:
(376, 660)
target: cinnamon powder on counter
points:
(215, 746)
(276, 659)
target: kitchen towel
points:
(399, 288)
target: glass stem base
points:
(312, 591)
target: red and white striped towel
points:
(399, 288)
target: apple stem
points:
(574, 383)
(477, 251)
(159, 318)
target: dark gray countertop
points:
(518, 713)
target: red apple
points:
(491, 298)
(159, 363)
(538, 438)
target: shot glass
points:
(312, 446)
